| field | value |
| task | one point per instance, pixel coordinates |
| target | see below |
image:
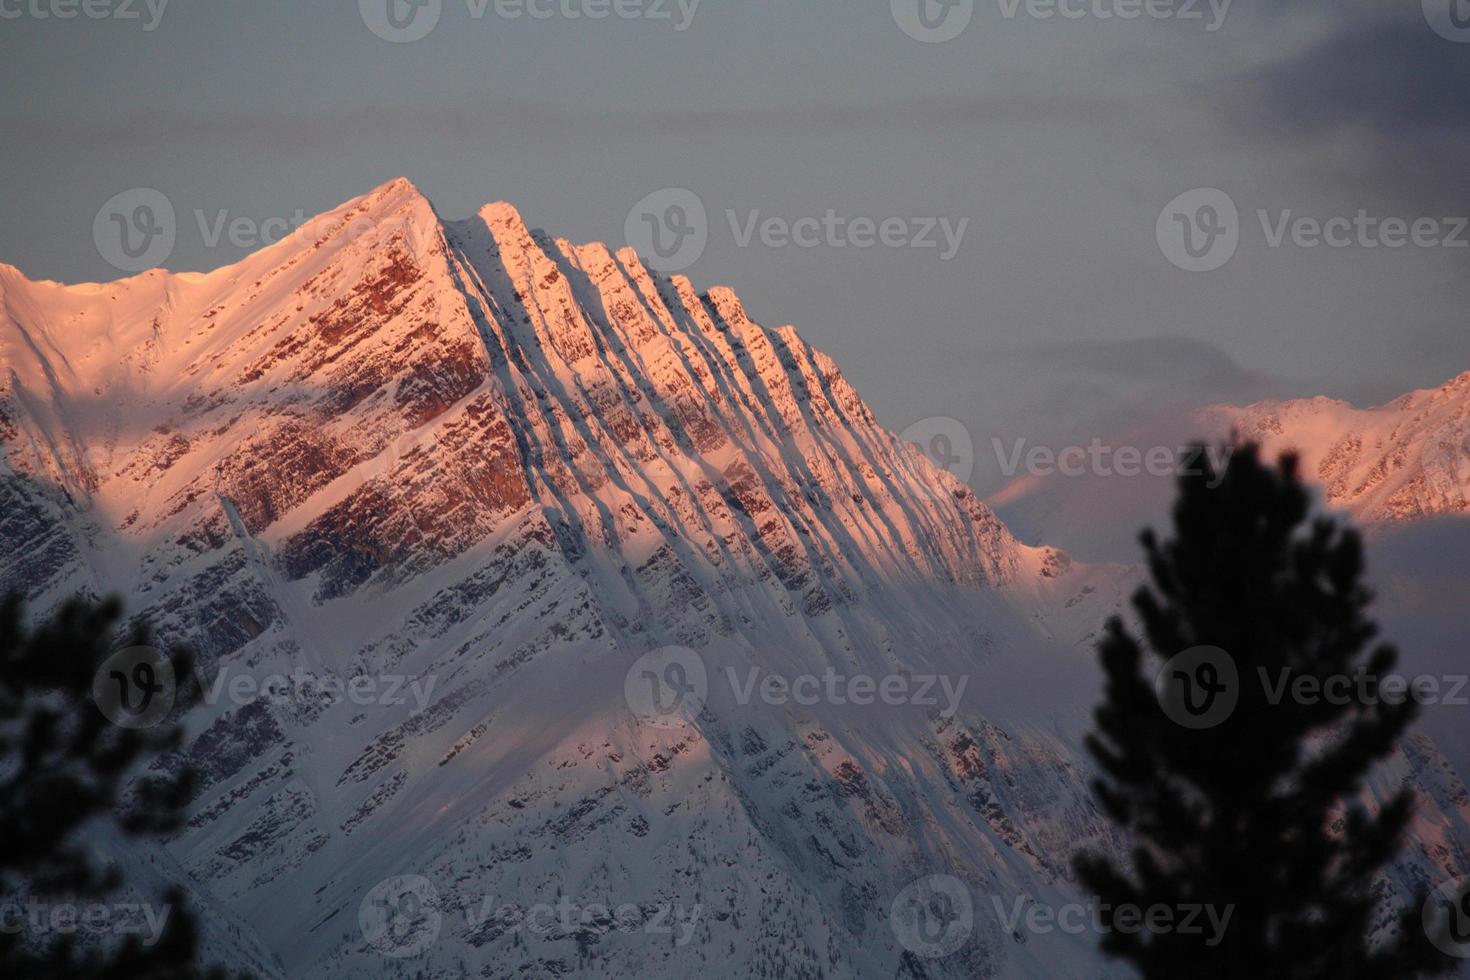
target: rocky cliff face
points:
(473, 477)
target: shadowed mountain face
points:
(481, 473)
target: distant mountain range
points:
(1408, 460)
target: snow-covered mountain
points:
(500, 481)
(1406, 460)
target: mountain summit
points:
(302, 388)
(493, 482)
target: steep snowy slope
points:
(483, 474)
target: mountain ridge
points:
(468, 453)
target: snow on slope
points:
(1406, 460)
(495, 465)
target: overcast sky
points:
(1059, 140)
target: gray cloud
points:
(1381, 92)
(1169, 360)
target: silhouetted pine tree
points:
(63, 768)
(1260, 810)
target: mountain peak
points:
(728, 304)
(398, 197)
(398, 187)
(504, 215)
